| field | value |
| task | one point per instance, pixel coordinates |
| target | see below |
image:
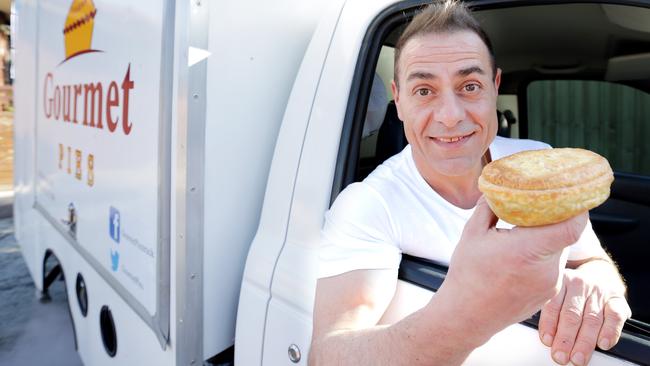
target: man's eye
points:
(423, 92)
(470, 88)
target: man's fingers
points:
(616, 312)
(569, 324)
(482, 219)
(592, 321)
(549, 318)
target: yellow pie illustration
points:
(78, 29)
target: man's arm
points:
(590, 310)
(496, 278)
(345, 330)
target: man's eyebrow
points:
(470, 70)
(421, 75)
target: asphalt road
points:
(33, 331)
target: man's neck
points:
(462, 190)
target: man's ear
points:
(497, 80)
(395, 90)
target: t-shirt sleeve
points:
(357, 234)
(587, 246)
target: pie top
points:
(546, 169)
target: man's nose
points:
(449, 110)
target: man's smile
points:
(452, 139)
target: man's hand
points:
(508, 274)
(589, 310)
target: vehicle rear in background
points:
(144, 137)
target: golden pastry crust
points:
(541, 187)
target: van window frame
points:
(633, 346)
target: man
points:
(425, 201)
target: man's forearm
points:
(434, 335)
(370, 346)
(384, 345)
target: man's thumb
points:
(482, 219)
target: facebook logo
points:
(114, 224)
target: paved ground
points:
(32, 332)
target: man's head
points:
(445, 87)
(445, 16)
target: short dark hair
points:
(444, 16)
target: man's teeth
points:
(451, 139)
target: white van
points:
(174, 160)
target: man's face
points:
(447, 100)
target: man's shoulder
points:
(396, 165)
(393, 175)
(384, 182)
(504, 146)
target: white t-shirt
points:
(395, 211)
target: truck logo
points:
(114, 224)
(115, 260)
(92, 101)
(78, 28)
